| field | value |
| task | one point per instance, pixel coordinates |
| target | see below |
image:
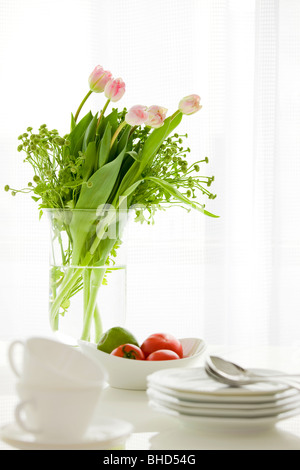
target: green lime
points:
(115, 337)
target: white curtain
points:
(231, 280)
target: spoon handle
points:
(277, 379)
(279, 375)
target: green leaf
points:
(112, 118)
(152, 144)
(156, 139)
(123, 139)
(129, 191)
(104, 146)
(77, 134)
(102, 183)
(169, 188)
(129, 177)
(134, 155)
(89, 162)
(90, 132)
(101, 127)
(105, 248)
(113, 151)
(175, 122)
(119, 144)
(126, 165)
(73, 122)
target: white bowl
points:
(132, 375)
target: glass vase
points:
(87, 271)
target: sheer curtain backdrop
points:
(231, 280)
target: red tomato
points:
(162, 355)
(161, 341)
(130, 351)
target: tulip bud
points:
(136, 115)
(114, 89)
(156, 116)
(98, 79)
(190, 104)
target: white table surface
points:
(154, 431)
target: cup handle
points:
(18, 416)
(11, 359)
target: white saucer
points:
(224, 409)
(225, 423)
(221, 399)
(196, 383)
(108, 435)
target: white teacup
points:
(50, 363)
(56, 414)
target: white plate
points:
(132, 375)
(225, 423)
(196, 381)
(222, 412)
(205, 398)
(286, 400)
(109, 434)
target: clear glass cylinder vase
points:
(87, 271)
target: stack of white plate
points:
(192, 395)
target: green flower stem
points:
(100, 235)
(86, 288)
(81, 104)
(96, 281)
(86, 295)
(96, 278)
(61, 249)
(132, 130)
(176, 113)
(68, 283)
(71, 278)
(54, 323)
(102, 112)
(98, 324)
(73, 275)
(117, 133)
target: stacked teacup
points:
(58, 387)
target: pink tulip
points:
(99, 78)
(190, 104)
(136, 115)
(114, 89)
(156, 116)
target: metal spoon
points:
(233, 374)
